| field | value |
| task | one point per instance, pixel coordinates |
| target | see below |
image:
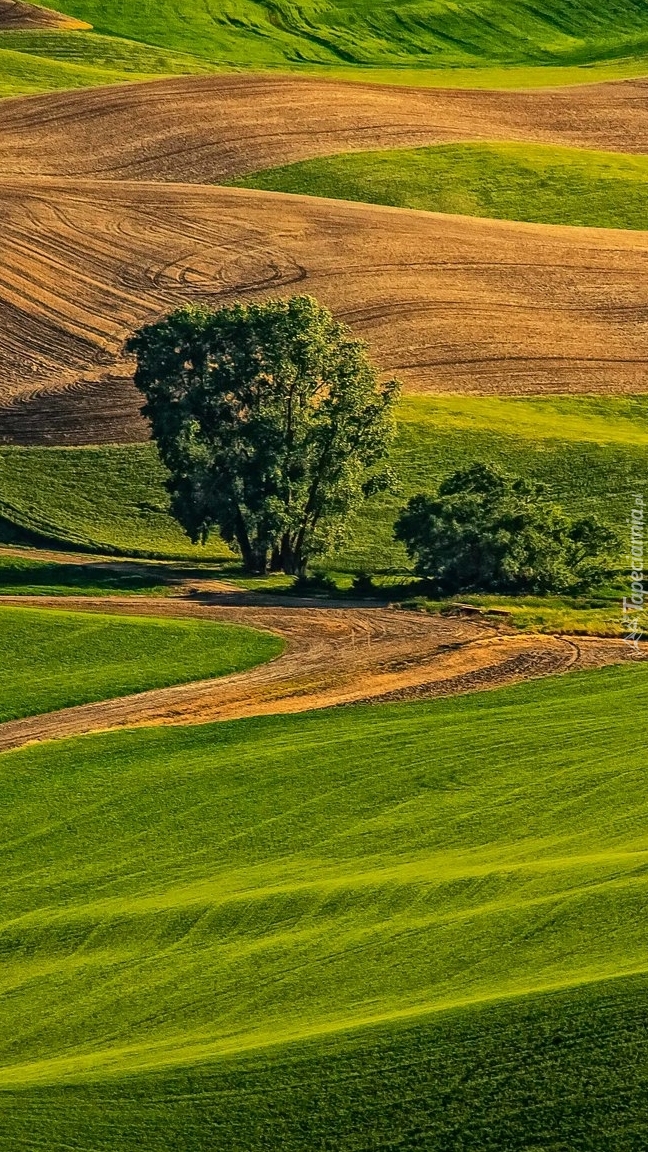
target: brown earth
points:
(333, 656)
(447, 303)
(15, 16)
(203, 129)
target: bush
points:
(363, 585)
(317, 581)
(485, 531)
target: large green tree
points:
(272, 422)
(485, 531)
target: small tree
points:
(271, 421)
(485, 531)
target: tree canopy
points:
(272, 422)
(485, 531)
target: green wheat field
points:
(415, 926)
(344, 925)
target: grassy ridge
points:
(547, 185)
(422, 33)
(45, 61)
(286, 878)
(512, 44)
(51, 659)
(590, 452)
(565, 1070)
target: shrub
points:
(485, 531)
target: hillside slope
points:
(562, 1070)
(352, 868)
(447, 303)
(423, 33)
(503, 181)
(204, 129)
(590, 452)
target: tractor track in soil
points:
(112, 215)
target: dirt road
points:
(333, 656)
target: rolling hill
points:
(208, 129)
(359, 888)
(489, 308)
(387, 891)
(591, 453)
(446, 303)
(532, 182)
(417, 33)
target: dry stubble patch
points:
(206, 129)
(16, 16)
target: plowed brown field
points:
(205, 129)
(15, 16)
(99, 237)
(334, 656)
(447, 303)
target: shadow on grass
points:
(80, 578)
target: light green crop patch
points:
(51, 659)
(545, 185)
(431, 42)
(174, 895)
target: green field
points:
(105, 499)
(548, 185)
(292, 932)
(512, 44)
(553, 1072)
(51, 659)
(590, 452)
(423, 33)
(45, 61)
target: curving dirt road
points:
(334, 655)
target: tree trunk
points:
(255, 560)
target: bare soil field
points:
(203, 129)
(99, 236)
(446, 303)
(15, 16)
(333, 656)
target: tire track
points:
(333, 656)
